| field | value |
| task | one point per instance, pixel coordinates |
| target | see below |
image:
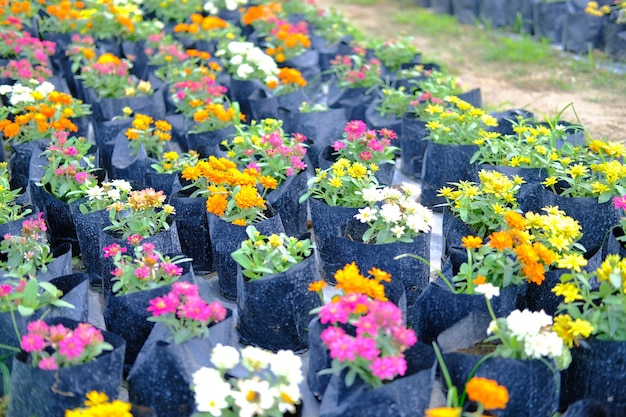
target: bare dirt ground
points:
(602, 111)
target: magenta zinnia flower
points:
(72, 347)
(32, 343)
(48, 364)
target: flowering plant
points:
(531, 145)
(146, 269)
(185, 314)
(61, 17)
(433, 88)
(28, 253)
(593, 302)
(393, 215)
(98, 404)
(265, 147)
(69, 167)
(617, 11)
(153, 138)
(342, 184)
(307, 107)
(191, 94)
(163, 51)
(487, 393)
(260, 256)
(458, 123)
(170, 10)
(171, 162)
(395, 102)
(522, 251)
(214, 6)
(54, 347)
(394, 52)
(27, 295)
(269, 386)
(214, 116)
(287, 40)
(232, 195)
(595, 170)
(481, 206)
(9, 209)
(351, 281)
(143, 213)
(364, 145)
(262, 16)
(375, 354)
(528, 335)
(206, 28)
(100, 197)
(108, 20)
(356, 70)
(245, 61)
(23, 70)
(288, 80)
(23, 45)
(109, 76)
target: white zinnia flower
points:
(244, 71)
(398, 231)
(95, 193)
(527, 323)
(488, 290)
(253, 358)
(289, 396)
(412, 191)
(390, 193)
(371, 194)
(253, 397)
(391, 213)
(286, 364)
(366, 214)
(122, 185)
(210, 391)
(45, 88)
(417, 223)
(236, 60)
(224, 357)
(210, 8)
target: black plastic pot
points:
(285, 200)
(225, 239)
(353, 100)
(207, 143)
(50, 393)
(582, 32)
(466, 11)
(548, 19)
(519, 15)
(285, 325)
(88, 229)
(493, 12)
(441, 6)
(129, 167)
(162, 375)
(412, 146)
(105, 109)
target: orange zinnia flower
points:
(487, 392)
(500, 240)
(471, 242)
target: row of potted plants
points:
(235, 201)
(577, 25)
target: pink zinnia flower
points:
(112, 250)
(335, 312)
(195, 309)
(37, 327)
(619, 202)
(331, 333)
(218, 311)
(88, 334)
(171, 269)
(134, 239)
(185, 288)
(365, 156)
(81, 177)
(48, 364)
(143, 272)
(71, 347)
(365, 347)
(354, 129)
(343, 348)
(339, 144)
(32, 343)
(163, 305)
(5, 290)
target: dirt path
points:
(601, 112)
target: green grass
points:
(427, 23)
(518, 49)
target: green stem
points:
(452, 399)
(437, 271)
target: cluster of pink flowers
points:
(23, 70)
(361, 144)
(34, 48)
(146, 268)
(381, 337)
(293, 150)
(425, 98)
(183, 309)
(147, 263)
(174, 51)
(206, 89)
(34, 227)
(52, 347)
(355, 70)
